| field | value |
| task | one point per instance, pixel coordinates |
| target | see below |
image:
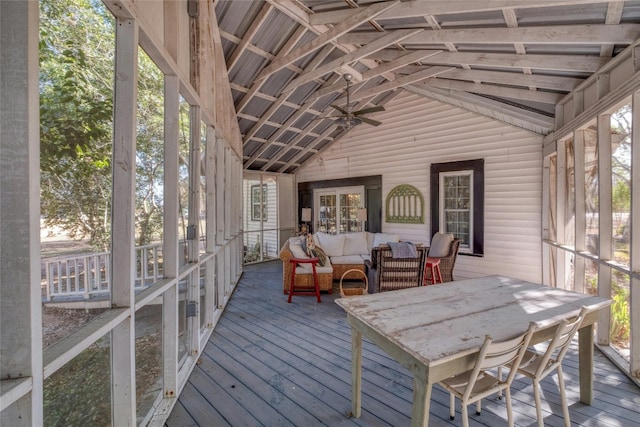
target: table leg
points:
(585, 363)
(356, 371)
(421, 402)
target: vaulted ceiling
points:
(511, 60)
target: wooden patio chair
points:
(476, 384)
(386, 273)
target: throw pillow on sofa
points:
(332, 245)
(296, 248)
(317, 252)
(355, 244)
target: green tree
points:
(76, 109)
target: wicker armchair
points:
(386, 273)
(448, 262)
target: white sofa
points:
(344, 252)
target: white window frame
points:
(442, 214)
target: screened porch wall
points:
(417, 132)
(591, 259)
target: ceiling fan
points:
(350, 118)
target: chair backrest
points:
(560, 342)
(397, 273)
(497, 354)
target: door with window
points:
(338, 208)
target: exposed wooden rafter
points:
(511, 60)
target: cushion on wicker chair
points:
(440, 245)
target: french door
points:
(337, 209)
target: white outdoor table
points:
(436, 331)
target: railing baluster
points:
(89, 274)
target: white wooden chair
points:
(537, 365)
(476, 384)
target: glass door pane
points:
(337, 210)
(327, 219)
(349, 204)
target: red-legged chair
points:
(304, 291)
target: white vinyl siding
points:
(417, 132)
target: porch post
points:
(20, 296)
(123, 380)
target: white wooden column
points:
(635, 239)
(123, 380)
(546, 234)
(580, 207)
(20, 295)
(220, 188)
(170, 327)
(210, 298)
(228, 194)
(561, 208)
(219, 215)
(193, 242)
(228, 221)
(605, 222)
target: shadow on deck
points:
(269, 363)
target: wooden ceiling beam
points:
(614, 15)
(408, 58)
(564, 84)
(415, 8)
(572, 63)
(249, 35)
(362, 16)
(386, 40)
(488, 89)
(257, 84)
(304, 150)
(306, 108)
(284, 95)
(587, 34)
(399, 82)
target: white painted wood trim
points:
(546, 213)
(123, 381)
(210, 280)
(561, 198)
(20, 211)
(170, 238)
(605, 249)
(634, 299)
(580, 214)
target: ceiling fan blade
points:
(342, 110)
(370, 122)
(369, 110)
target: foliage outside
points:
(76, 109)
(77, 44)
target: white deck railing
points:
(87, 275)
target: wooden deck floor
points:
(269, 363)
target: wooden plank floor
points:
(269, 363)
